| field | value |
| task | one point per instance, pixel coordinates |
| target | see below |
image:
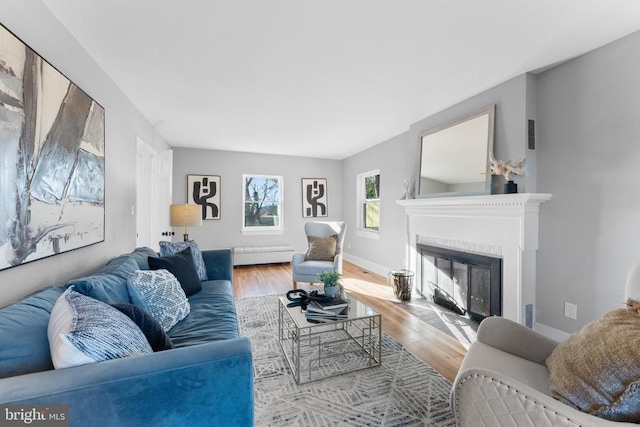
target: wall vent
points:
(532, 135)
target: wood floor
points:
(434, 347)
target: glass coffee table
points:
(316, 351)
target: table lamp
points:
(185, 216)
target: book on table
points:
(314, 307)
(317, 314)
(332, 303)
(319, 317)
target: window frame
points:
(361, 200)
(272, 229)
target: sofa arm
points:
(516, 339)
(219, 264)
(484, 397)
(201, 385)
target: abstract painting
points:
(314, 197)
(204, 190)
(52, 159)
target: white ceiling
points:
(324, 78)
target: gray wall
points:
(394, 160)
(398, 160)
(230, 166)
(510, 141)
(588, 157)
(32, 22)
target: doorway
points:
(154, 173)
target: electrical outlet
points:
(570, 310)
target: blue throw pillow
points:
(172, 248)
(110, 284)
(119, 266)
(180, 265)
(141, 256)
(28, 350)
(157, 337)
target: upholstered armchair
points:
(303, 266)
(504, 380)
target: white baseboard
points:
(368, 265)
(549, 332)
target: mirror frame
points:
(491, 111)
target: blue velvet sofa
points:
(207, 379)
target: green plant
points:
(329, 278)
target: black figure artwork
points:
(314, 197)
(204, 190)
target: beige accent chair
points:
(306, 271)
(503, 379)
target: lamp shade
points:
(185, 215)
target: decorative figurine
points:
(506, 169)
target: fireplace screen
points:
(463, 282)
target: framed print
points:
(314, 198)
(204, 190)
(52, 146)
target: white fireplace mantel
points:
(503, 225)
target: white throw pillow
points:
(63, 353)
(160, 294)
(83, 330)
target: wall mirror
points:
(454, 156)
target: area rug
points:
(403, 391)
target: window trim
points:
(265, 230)
(361, 231)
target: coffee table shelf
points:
(316, 351)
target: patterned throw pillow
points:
(84, 330)
(160, 294)
(322, 248)
(597, 370)
(172, 248)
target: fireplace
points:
(501, 226)
(464, 282)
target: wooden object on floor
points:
(438, 349)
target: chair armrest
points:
(298, 257)
(485, 397)
(219, 264)
(198, 385)
(516, 339)
(337, 263)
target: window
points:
(369, 203)
(262, 204)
